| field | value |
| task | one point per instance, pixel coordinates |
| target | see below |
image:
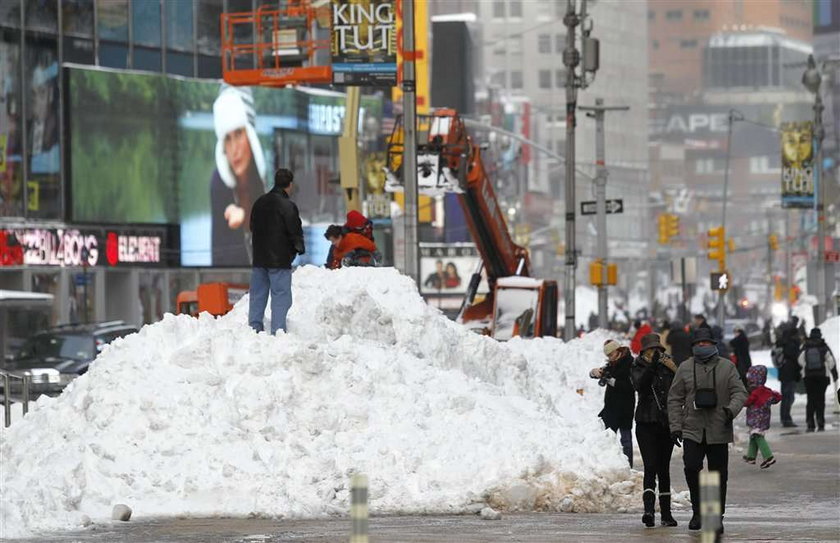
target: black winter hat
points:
(816, 333)
(702, 334)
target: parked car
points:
(56, 356)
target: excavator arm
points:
(449, 161)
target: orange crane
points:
(448, 161)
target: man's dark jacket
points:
(277, 233)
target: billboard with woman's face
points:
(148, 148)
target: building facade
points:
(122, 182)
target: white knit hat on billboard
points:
(234, 108)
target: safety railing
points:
(8, 379)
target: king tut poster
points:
(798, 165)
(364, 42)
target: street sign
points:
(832, 256)
(721, 281)
(589, 207)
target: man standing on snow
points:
(706, 396)
(277, 237)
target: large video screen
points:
(148, 148)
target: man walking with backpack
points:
(817, 363)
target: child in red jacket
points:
(758, 415)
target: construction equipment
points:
(214, 298)
(448, 161)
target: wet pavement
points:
(797, 500)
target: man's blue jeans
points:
(279, 282)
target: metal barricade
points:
(8, 378)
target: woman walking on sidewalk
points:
(652, 374)
(758, 415)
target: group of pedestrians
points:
(690, 404)
(689, 393)
(803, 359)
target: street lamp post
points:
(734, 115)
(812, 79)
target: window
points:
(145, 22)
(651, 15)
(701, 14)
(498, 9)
(209, 13)
(545, 79)
(544, 43)
(516, 8)
(560, 78)
(655, 44)
(674, 15)
(765, 164)
(559, 42)
(179, 25)
(516, 79)
(688, 44)
(499, 78)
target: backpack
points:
(360, 257)
(777, 355)
(814, 362)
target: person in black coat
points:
(620, 397)
(789, 372)
(741, 349)
(680, 342)
(652, 374)
(277, 240)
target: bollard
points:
(26, 380)
(359, 509)
(7, 406)
(709, 506)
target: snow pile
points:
(205, 417)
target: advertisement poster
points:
(11, 167)
(364, 42)
(798, 165)
(151, 149)
(446, 268)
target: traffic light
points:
(662, 226)
(673, 225)
(668, 227)
(774, 242)
(717, 246)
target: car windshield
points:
(76, 347)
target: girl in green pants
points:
(758, 415)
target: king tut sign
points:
(798, 165)
(364, 42)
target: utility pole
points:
(812, 79)
(412, 268)
(733, 116)
(597, 112)
(571, 59)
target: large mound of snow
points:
(205, 417)
(831, 333)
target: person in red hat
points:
(359, 224)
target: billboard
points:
(152, 149)
(446, 268)
(364, 42)
(114, 247)
(798, 165)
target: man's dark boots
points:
(665, 510)
(692, 478)
(694, 523)
(649, 499)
